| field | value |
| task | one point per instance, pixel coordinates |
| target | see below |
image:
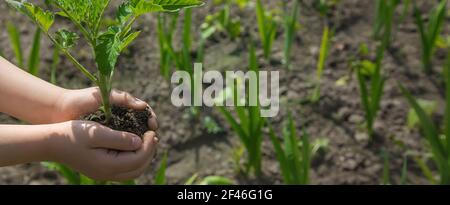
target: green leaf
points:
(86, 12)
(140, 7)
(44, 19)
(128, 39)
(160, 176)
(404, 174)
(367, 67)
(107, 50)
(306, 158)
(54, 66)
(191, 179)
(292, 150)
(324, 51)
(84, 180)
(429, 108)
(174, 5)
(430, 131)
(71, 176)
(65, 38)
(280, 157)
(447, 103)
(216, 180)
(436, 21)
(14, 37)
(124, 13)
(33, 59)
(235, 126)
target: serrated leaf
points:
(124, 13)
(142, 6)
(65, 38)
(85, 12)
(174, 5)
(108, 50)
(128, 39)
(45, 19)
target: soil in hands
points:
(123, 119)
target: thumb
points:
(124, 99)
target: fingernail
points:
(138, 100)
(156, 139)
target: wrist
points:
(62, 110)
(55, 139)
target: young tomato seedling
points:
(106, 45)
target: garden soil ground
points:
(348, 159)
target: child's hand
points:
(91, 149)
(74, 104)
(95, 150)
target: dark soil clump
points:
(123, 119)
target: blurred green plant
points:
(321, 63)
(290, 28)
(211, 125)
(428, 106)
(165, 30)
(160, 176)
(439, 141)
(371, 95)
(383, 16)
(429, 33)
(324, 7)
(295, 158)
(386, 169)
(249, 125)
(16, 44)
(267, 27)
(222, 20)
(55, 63)
(209, 180)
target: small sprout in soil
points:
(438, 139)
(290, 28)
(430, 33)
(267, 28)
(371, 95)
(295, 160)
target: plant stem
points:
(105, 89)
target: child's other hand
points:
(74, 104)
(100, 152)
